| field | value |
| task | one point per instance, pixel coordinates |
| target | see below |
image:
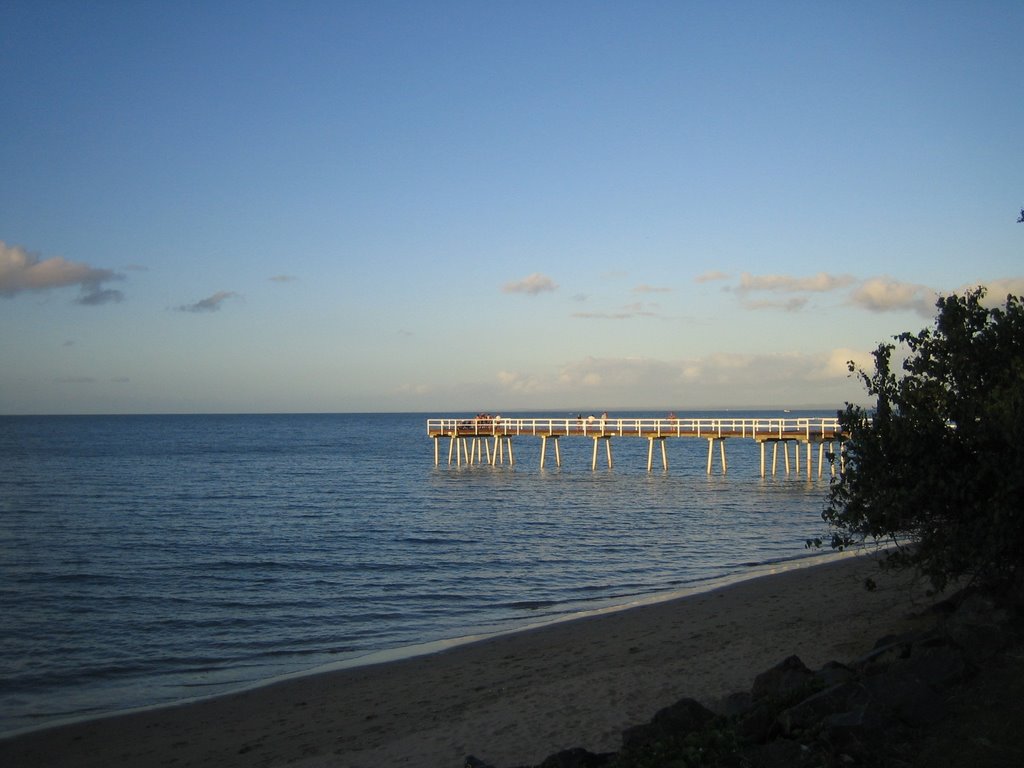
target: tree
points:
(937, 466)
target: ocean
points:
(146, 560)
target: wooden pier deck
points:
(488, 439)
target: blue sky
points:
(448, 206)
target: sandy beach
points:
(513, 699)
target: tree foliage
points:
(937, 466)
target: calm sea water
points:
(147, 559)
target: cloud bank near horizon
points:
(689, 382)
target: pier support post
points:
(543, 449)
(711, 453)
(608, 444)
(460, 443)
(650, 452)
(497, 453)
(785, 453)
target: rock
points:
(834, 673)
(780, 753)
(908, 697)
(674, 722)
(887, 650)
(756, 725)
(736, 703)
(472, 762)
(979, 626)
(939, 664)
(814, 709)
(845, 734)
(859, 732)
(785, 678)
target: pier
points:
(489, 439)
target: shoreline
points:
(514, 698)
(474, 635)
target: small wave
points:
(424, 540)
(530, 605)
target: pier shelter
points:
(489, 439)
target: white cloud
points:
(531, 284)
(615, 373)
(836, 363)
(787, 284)
(997, 290)
(876, 294)
(792, 304)
(209, 304)
(23, 271)
(884, 294)
(283, 279)
(603, 315)
(818, 283)
(712, 275)
(637, 309)
(643, 288)
(519, 383)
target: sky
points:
(479, 206)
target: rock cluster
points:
(865, 712)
